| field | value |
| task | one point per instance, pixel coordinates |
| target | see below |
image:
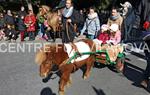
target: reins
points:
(67, 30)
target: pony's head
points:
(54, 20)
(44, 60)
(45, 9)
(45, 69)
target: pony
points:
(55, 55)
(52, 20)
(45, 9)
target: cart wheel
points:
(99, 65)
(120, 64)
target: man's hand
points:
(69, 20)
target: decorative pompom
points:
(146, 25)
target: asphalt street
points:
(19, 75)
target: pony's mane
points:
(42, 53)
(53, 20)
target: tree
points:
(104, 4)
(29, 3)
(1, 8)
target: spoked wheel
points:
(120, 64)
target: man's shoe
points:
(6, 39)
(31, 39)
(144, 83)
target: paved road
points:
(19, 76)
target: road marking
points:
(140, 59)
(126, 53)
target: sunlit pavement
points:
(19, 75)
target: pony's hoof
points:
(85, 77)
(61, 93)
(68, 84)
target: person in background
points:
(2, 21)
(21, 27)
(70, 18)
(22, 12)
(115, 18)
(2, 25)
(115, 35)
(128, 14)
(30, 22)
(9, 19)
(82, 17)
(142, 22)
(20, 23)
(48, 31)
(40, 20)
(104, 34)
(11, 33)
(91, 25)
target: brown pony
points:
(53, 17)
(56, 54)
(44, 9)
(53, 20)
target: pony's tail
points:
(40, 57)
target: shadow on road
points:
(47, 91)
(51, 76)
(98, 91)
(133, 73)
(109, 66)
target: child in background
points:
(2, 34)
(115, 35)
(11, 33)
(2, 25)
(104, 35)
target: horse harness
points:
(68, 60)
(65, 61)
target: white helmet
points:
(104, 27)
(114, 27)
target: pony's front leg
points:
(69, 82)
(63, 81)
(89, 65)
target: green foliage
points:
(1, 9)
(104, 4)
